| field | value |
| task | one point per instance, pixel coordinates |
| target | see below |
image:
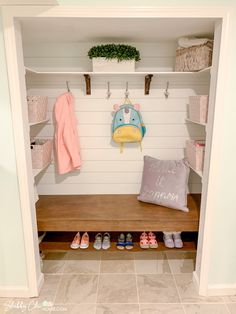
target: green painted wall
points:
(12, 251)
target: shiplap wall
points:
(104, 169)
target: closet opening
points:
(102, 195)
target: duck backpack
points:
(127, 125)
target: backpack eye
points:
(120, 119)
(133, 119)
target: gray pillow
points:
(164, 182)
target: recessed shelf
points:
(197, 172)
(37, 171)
(38, 122)
(189, 120)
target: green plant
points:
(113, 51)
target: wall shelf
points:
(37, 171)
(199, 123)
(137, 73)
(199, 173)
(38, 122)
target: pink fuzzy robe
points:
(66, 136)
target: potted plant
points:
(114, 58)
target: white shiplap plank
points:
(105, 177)
(158, 130)
(106, 117)
(147, 104)
(80, 189)
(71, 50)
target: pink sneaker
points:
(84, 244)
(76, 241)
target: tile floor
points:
(119, 283)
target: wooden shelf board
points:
(65, 246)
(37, 171)
(38, 122)
(192, 121)
(112, 213)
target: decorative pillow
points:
(164, 183)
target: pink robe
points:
(66, 135)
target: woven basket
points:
(198, 108)
(195, 154)
(194, 58)
(37, 108)
(41, 152)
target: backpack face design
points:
(127, 126)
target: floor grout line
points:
(227, 308)
(136, 280)
(99, 275)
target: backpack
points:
(127, 125)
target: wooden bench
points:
(112, 213)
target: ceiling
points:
(113, 29)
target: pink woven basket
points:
(41, 152)
(195, 154)
(37, 108)
(198, 108)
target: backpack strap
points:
(121, 147)
(140, 145)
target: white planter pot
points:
(112, 65)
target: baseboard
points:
(215, 290)
(14, 291)
(221, 290)
(20, 291)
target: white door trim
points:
(10, 13)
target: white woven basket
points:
(37, 108)
(41, 152)
(198, 108)
(194, 58)
(195, 154)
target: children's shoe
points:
(168, 240)
(76, 241)
(106, 243)
(121, 242)
(129, 242)
(144, 243)
(98, 241)
(152, 240)
(177, 240)
(84, 244)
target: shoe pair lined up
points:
(148, 241)
(102, 242)
(125, 242)
(173, 239)
(80, 242)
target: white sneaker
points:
(168, 240)
(98, 242)
(106, 243)
(177, 240)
